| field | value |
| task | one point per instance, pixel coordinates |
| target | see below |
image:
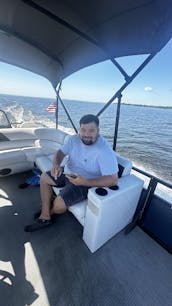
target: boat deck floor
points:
(54, 266)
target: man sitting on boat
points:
(91, 163)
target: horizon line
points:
(67, 99)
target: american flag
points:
(51, 108)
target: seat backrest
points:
(124, 165)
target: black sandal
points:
(37, 225)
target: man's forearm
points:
(103, 181)
(58, 158)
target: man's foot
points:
(37, 225)
(38, 213)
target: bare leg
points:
(59, 206)
(46, 195)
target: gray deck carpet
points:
(54, 266)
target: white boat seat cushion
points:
(44, 163)
(124, 165)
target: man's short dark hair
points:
(88, 119)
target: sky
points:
(98, 83)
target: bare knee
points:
(59, 206)
(45, 179)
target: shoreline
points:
(144, 105)
(72, 100)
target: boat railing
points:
(146, 197)
(150, 190)
(153, 178)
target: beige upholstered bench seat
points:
(20, 147)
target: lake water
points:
(145, 133)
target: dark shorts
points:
(70, 193)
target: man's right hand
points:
(56, 171)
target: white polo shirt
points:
(90, 161)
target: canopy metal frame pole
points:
(67, 113)
(57, 110)
(58, 98)
(131, 78)
(117, 121)
(57, 91)
(118, 93)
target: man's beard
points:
(88, 142)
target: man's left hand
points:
(78, 180)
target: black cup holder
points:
(5, 171)
(101, 191)
(115, 187)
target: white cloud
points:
(148, 88)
